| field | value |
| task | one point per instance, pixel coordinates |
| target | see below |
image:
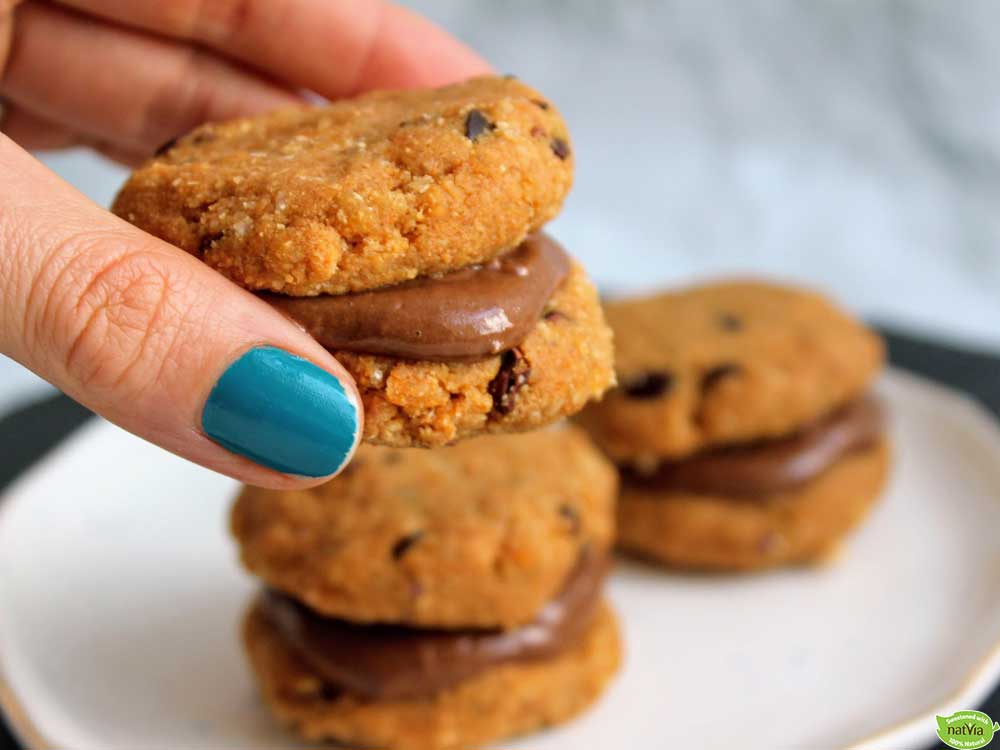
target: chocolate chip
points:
(717, 374)
(540, 103)
(402, 546)
(555, 315)
(511, 376)
(510, 77)
(560, 148)
(476, 124)
(572, 517)
(206, 242)
(414, 121)
(164, 148)
(648, 384)
(197, 139)
(537, 132)
(329, 692)
(730, 322)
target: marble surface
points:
(853, 145)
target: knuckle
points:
(232, 17)
(181, 100)
(119, 315)
(218, 21)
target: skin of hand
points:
(132, 327)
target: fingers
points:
(34, 132)
(134, 91)
(31, 131)
(122, 156)
(6, 28)
(407, 50)
(137, 90)
(158, 343)
(333, 47)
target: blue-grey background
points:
(850, 144)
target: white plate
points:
(120, 597)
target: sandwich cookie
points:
(435, 599)
(743, 426)
(401, 229)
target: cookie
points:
(480, 534)
(711, 531)
(726, 363)
(742, 426)
(399, 229)
(362, 193)
(565, 361)
(506, 700)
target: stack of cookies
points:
(489, 571)
(743, 425)
(422, 599)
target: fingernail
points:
(283, 412)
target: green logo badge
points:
(966, 730)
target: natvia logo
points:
(966, 730)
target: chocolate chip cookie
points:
(474, 535)
(564, 361)
(509, 699)
(362, 193)
(400, 229)
(718, 531)
(435, 599)
(742, 425)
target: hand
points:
(125, 76)
(133, 328)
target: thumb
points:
(150, 338)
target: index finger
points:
(333, 47)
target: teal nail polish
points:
(283, 412)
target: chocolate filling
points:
(471, 313)
(397, 662)
(770, 466)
